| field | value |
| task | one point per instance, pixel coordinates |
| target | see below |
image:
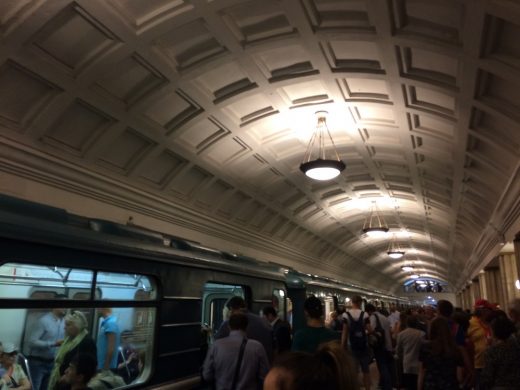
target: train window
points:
(43, 282)
(118, 286)
(214, 299)
(133, 350)
(133, 324)
(279, 303)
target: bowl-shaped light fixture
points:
(317, 164)
(322, 169)
(394, 249)
(375, 225)
(407, 268)
(415, 276)
(395, 254)
(376, 231)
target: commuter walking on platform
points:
(45, 337)
(329, 368)
(479, 333)
(514, 314)
(257, 329)
(309, 338)
(501, 360)
(354, 333)
(439, 359)
(409, 343)
(236, 362)
(281, 330)
(379, 332)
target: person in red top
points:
(479, 335)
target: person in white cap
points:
(14, 376)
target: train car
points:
(167, 294)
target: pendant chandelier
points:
(407, 268)
(375, 225)
(315, 163)
(394, 250)
(415, 276)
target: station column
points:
(508, 277)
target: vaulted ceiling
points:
(197, 114)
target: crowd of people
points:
(430, 348)
(62, 355)
(423, 348)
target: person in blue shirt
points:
(108, 340)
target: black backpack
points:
(356, 333)
(376, 339)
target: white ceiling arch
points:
(198, 113)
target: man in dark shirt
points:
(309, 338)
(257, 329)
(281, 330)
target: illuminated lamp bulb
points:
(322, 169)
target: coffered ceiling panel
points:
(208, 108)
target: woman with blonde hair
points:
(77, 341)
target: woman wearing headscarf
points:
(77, 341)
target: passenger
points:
(14, 375)
(479, 333)
(79, 372)
(108, 340)
(409, 343)
(354, 331)
(439, 359)
(44, 339)
(281, 330)
(394, 316)
(309, 338)
(335, 322)
(105, 380)
(77, 341)
(329, 368)
(248, 371)
(445, 310)
(514, 314)
(127, 359)
(382, 353)
(501, 361)
(258, 328)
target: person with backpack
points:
(381, 343)
(354, 332)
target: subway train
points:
(167, 293)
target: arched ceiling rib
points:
(208, 105)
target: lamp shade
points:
(376, 231)
(407, 268)
(317, 163)
(415, 276)
(394, 249)
(395, 254)
(375, 225)
(322, 169)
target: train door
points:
(214, 310)
(328, 306)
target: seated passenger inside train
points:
(13, 375)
